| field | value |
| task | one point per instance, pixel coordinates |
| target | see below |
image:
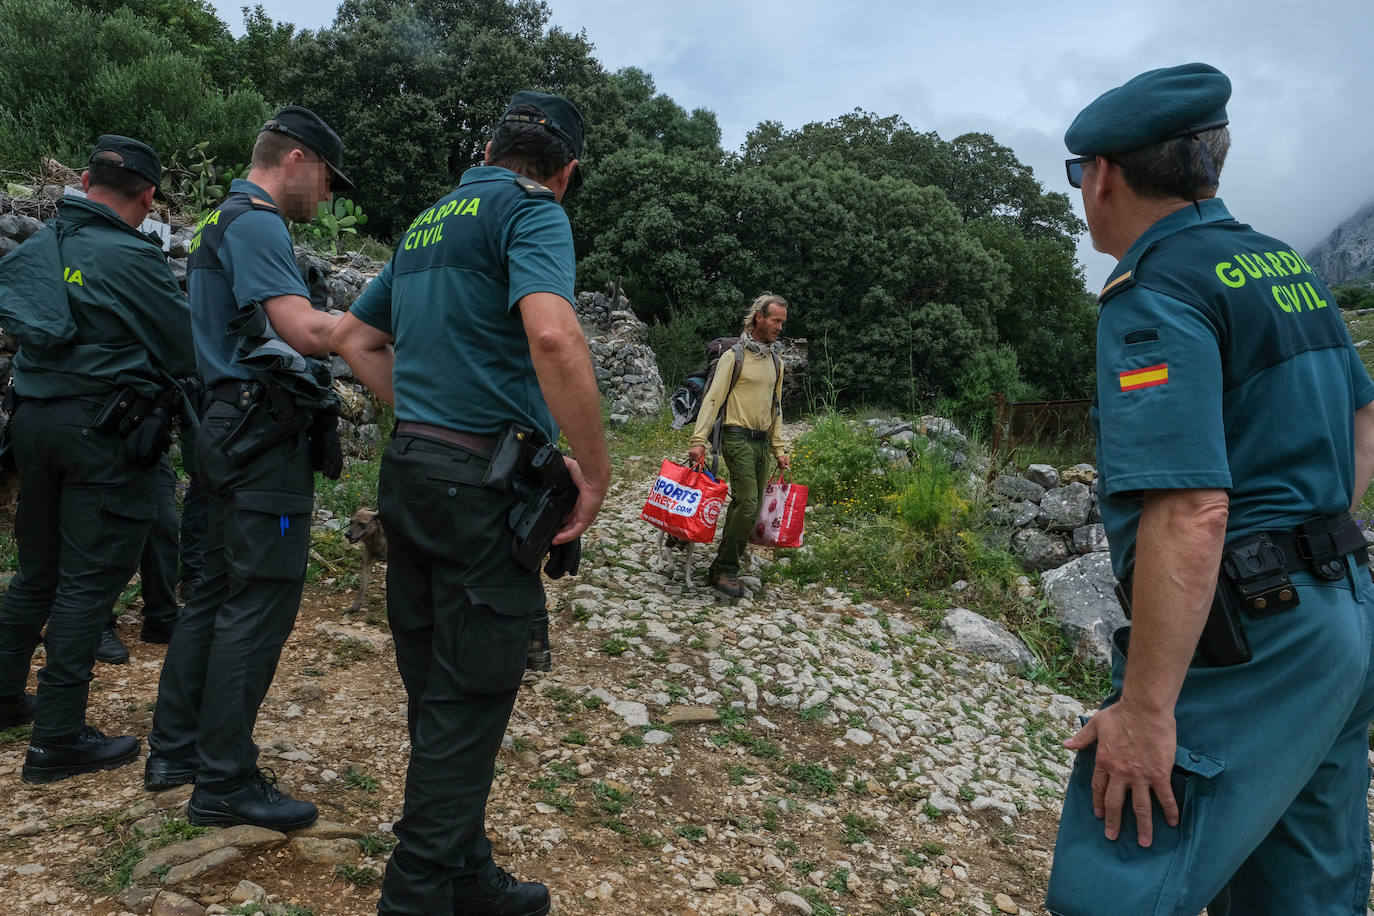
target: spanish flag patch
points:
(1148, 377)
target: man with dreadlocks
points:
(741, 416)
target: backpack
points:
(686, 400)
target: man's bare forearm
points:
(564, 370)
(1364, 453)
(373, 368)
(1178, 552)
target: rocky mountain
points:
(1347, 254)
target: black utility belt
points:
(746, 432)
(1255, 578)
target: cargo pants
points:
(82, 519)
(747, 461)
(1271, 775)
(225, 649)
(461, 612)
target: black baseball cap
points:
(128, 153)
(558, 115)
(310, 129)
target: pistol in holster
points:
(271, 418)
(545, 495)
(120, 412)
(1223, 642)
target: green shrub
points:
(839, 463)
(928, 499)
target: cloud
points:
(1303, 77)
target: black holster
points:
(1223, 641)
(1254, 578)
(545, 494)
(272, 417)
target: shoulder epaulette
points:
(1118, 284)
(533, 188)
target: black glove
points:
(564, 559)
(326, 454)
(149, 440)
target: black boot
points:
(255, 801)
(88, 751)
(159, 631)
(111, 651)
(496, 892)
(160, 773)
(16, 710)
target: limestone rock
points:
(943, 431)
(635, 714)
(136, 898)
(793, 903)
(1018, 488)
(19, 227)
(1043, 474)
(170, 903)
(1090, 538)
(245, 837)
(1079, 473)
(1014, 514)
(690, 715)
(1065, 508)
(246, 890)
(329, 830)
(1084, 597)
(325, 851)
(197, 868)
(974, 633)
(1038, 549)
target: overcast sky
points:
(1302, 109)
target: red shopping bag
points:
(685, 503)
(782, 514)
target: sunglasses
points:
(1074, 168)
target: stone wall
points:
(626, 368)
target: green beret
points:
(1155, 106)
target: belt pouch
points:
(509, 459)
(120, 401)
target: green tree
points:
(1354, 296)
(112, 73)
(416, 88)
(265, 54)
(1049, 320)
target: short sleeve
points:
(1159, 392)
(260, 259)
(373, 306)
(539, 252)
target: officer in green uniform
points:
(1228, 769)
(104, 329)
(256, 464)
(478, 304)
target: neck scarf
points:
(754, 346)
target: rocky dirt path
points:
(790, 752)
